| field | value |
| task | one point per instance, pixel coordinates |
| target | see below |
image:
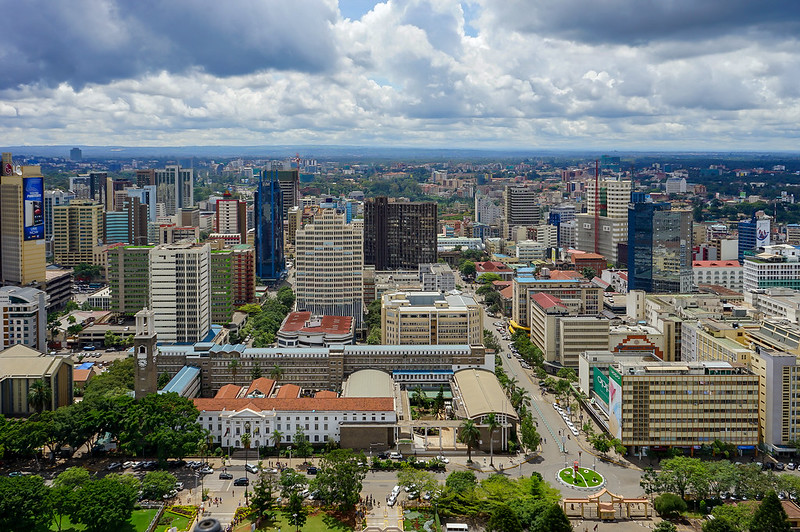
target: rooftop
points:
(307, 404)
(368, 383)
(547, 301)
(181, 380)
(481, 393)
(716, 264)
(304, 322)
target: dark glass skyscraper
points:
(659, 248)
(399, 235)
(270, 263)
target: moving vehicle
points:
(225, 476)
(251, 468)
(242, 481)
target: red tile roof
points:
(357, 404)
(325, 394)
(716, 264)
(502, 284)
(507, 292)
(296, 321)
(228, 391)
(564, 275)
(82, 375)
(263, 385)
(287, 391)
(547, 301)
(492, 267)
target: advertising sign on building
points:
(615, 401)
(600, 385)
(33, 208)
(762, 233)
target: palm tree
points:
(492, 425)
(469, 434)
(246, 443)
(512, 385)
(39, 395)
(276, 373)
(233, 365)
(276, 440)
(256, 373)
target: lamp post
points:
(289, 448)
(246, 449)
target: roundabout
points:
(582, 478)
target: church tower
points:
(145, 354)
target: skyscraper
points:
(129, 278)
(660, 248)
(78, 230)
(129, 225)
(174, 187)
(753, 234)
(521, 207)
(270, 263)
(398, 235)
(180, 291)
(22, 244)
(289, 181)
(605, 224)
(328, 266)
(231, 216)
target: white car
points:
(394, 455)
(443, 458)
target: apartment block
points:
(437, 277)
(129, 278)
(78, 230)
(430, 318)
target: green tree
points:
(107, 503)
(301, 444)
(669, 505)
(461, 481)
(589, 273)
(339, 478)
(255, 372)
(156, 484)
(40, 395)
(291, 482)
(420, 479)
(262, 502)
(277, 436)
(467, 268)
(24, 503)
(164, 425)
(770, 516)
(233, 365)
(665, 526)
(490, 341)
(374, 336)
(295, 512)
(286, 297)
(736, 515)
(492, 425)
(503, 519)
(552, 519)
(469, 434)
(276, 373)
(676, 473)
(488, 278)
(246, 445)
(568, 374)
(718, 525)
(163, 379)
(528, 434)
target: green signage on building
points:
(600, 385)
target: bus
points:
(456, 527)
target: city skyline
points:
(417, 74)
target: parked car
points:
(443, 458)
(251, 468)
(790, 466)
(242, 481)
(311, 470)
(225, 476)
(114, 465)
(179, 486)
(394, 455)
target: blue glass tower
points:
(747, 237)
(659, 248)
(270, 263)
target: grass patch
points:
(588, 478)
(139, 521)
(414, 520)
(319, 522)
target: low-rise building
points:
(477, 394)
(496, 267)
(301, 329)
(20, 366)
(59, 287)
(727, 273)
(778, 265)
(438, 277)
(777, 302)
(430, 318)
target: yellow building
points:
(22, 238)
(78, 233)
(779, 416)
(430, 318)
(680, 404)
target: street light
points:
(246, 456)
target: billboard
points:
(762, 233)
(600, 385)
(33, 208)
(615, 401)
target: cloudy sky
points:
(572, 74)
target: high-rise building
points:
(221, 276)
(22, 244)
(129, 278)
(753, 234)
(328, 267)
(75, 154)
(399, 236)
(179, 291)
(486, 210)
(289, 182)
(244, 274)
(605, 224)
(129, 225)
(270, 263)
(147, 196)
(53, 198)
(231, 217)
(78, 233)
(174, 187)
(521, 207)
(23, 317)
(661, 256)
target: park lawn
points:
(587, 474)
(318, 522)
(178, 521)
(138, 522)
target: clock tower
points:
(145, 354)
